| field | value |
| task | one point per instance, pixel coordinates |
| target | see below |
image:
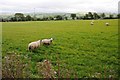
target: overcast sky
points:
(52, 6)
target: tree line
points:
(87, 16)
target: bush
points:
(18, 66)
(14, 67)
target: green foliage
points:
(29, 18)
(58, 17)
(90, 15)
(96, 16)
(86, 16)
(14, 66)
(90, 51)
(103, 15)
(73, 16)
(118, 16)
(19, 17)
(111, 16)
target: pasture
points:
(87, 50)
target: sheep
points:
(91, 23)
(107, 24)
(34, 45)
(47, 41)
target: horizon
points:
(59, 6)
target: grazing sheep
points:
(107, 24)
(47, 41)
(34, 45)
(91, 23)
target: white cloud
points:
(59, 5)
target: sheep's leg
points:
(45, 43)
(48, 43)
(29, 48)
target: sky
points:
(58, 6)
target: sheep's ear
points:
(51, 38)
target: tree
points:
(28, 18)
(86, 16)
(103, 15)
(50, 18)
(77, 18)
(90, 15)
(44, 18)
(19, 17)
(96, 16)
(118, 16)
(13, 19)
(73, 16)
(1, 20)
(38, 19)
(65, 18)
(58, 17)
(111, 16)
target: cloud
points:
(59, 6)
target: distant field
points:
(82, 48)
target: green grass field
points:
(82, 48)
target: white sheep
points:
(107, 24)
(34, 45)
(47, 41)
(91, 23)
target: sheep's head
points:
(51, 39)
